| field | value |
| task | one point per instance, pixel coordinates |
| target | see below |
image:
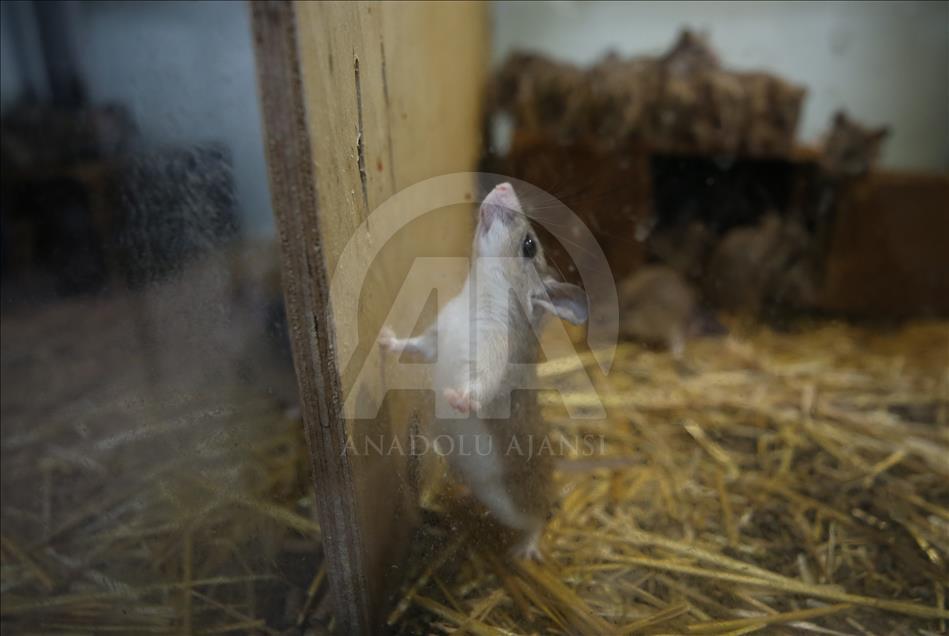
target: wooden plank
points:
(888, 256)
(360, 101)
(293, 190)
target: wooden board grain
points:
(889, 256)
(360, 101)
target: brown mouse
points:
(685, 248)
(752, 264)
(658, 307)
(850, 148)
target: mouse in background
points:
(756, 269)
(684, 248)
(487, 346)
(851, 149)
(658, 307)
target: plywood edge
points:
(309, 313)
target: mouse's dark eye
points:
(529, 247)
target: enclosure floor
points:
(784, 482)
(791, 482)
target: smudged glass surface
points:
(154, 472)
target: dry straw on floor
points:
(132, 508)
(208, 540)
(793, 482)
(790, 483)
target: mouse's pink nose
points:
(503, 196)
(501, 203)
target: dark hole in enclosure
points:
(722, 193)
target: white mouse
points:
(484, 345)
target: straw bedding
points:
(784, 483)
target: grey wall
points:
(185, 70)
(21, 64)
(885, 62)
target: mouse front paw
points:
(387, 340)
(461, 401)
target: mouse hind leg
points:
(484, 476)
(492, 494)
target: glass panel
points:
(155, 477)
(748, 429)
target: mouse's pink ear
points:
(563, 300)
